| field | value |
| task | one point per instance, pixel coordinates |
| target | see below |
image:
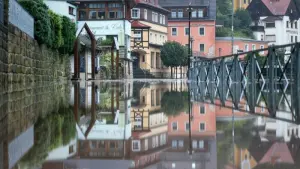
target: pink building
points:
(224, 45)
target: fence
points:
(20, 18)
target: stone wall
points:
(30, 62)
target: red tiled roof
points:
(137, 24)
(280, 152)
(152, 4)
(277, 7)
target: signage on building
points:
(108, 27)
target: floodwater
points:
(151, 125)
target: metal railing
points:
(19, 17)
(251, 79)
(1, 11)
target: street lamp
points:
(190, 13)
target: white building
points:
(63, 8)
(275, 21)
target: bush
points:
(42, 26)
(68, 35)
(56, 28)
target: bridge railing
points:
(267, 76)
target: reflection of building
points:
(63, 152)
(241, 4)
(149, 16)
(64, 8)
(203, 139)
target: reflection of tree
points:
(50, 132)
(174, 103)
(276, 166)
(242, 139)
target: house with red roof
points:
(275, 21)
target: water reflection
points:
(139, 125)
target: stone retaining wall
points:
(30, 62)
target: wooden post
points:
(76, 62)
(112, 62)
(117, 65)
(93, 52)
(117, 96)
(112, 100)
(76, 101)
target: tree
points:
(243, 17)
(174, 103)
(173, 54)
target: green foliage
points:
(56, 28)
(260, 59)
(241, 22)
(68, 35)
(42, 25)
(106, 42)
(174, 54)
(50, 132)
(173, 103)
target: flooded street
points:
(139, 125)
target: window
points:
(187, 126)
(261, 37)
(245, 1)
(292, 24)
(297, 132)
(287, 24)
(202, 49)
(201, 144)
(174, 143)
(194, 14)
(288, 132)
(136, 145)
(173, 13)
(93, 15)
(262, 47)
(292, 39)
(202, 31)
(195, 144)
(115, 14)
(253, 47)
(137, 35)
(296, 38)
(114, 5)
(101, 15)
(135, 13)
(270, 25)
(98, 5)
(174, 31)
(202, 109)
(180, 143)
(82, 14)
(164, 19)
(146, 144)
(71, 149)
(200, 13)
(180, 13)
(160, 19)
(202, 126)
(145, 14)
(186, 31)
(154, 17)
(271, 38)
(71, 10)
(246, 47)
(296, 25)
(157, 91)
(174, 126)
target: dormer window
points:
(135, 13)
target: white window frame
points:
(185, 126)
(200, 126)
(174, 144)
(185, 31)
(194, 14)
(253, 47)
(204, 109)
(176, 126)
(173, 11)
(164, 19)
(201, 144)
(180, 13)
(153, 16)
(145, 14)
(139, 145)
(172, 31)
(139, 38)
(160, 19)
(146, 144)
(202, 12)
(200, 31)
(179, 145)
(138, 13)
(200, 47)
(153, 142)
(246, 46)
(195, 142)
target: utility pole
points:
(189, 58)
(232, 40)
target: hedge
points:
(55, 31)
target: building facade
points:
(241, 4)
(64, 8)
(203, 18)
(146, 44)
(110, 20)
(275, 21)
(224, 45)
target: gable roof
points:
(279, 151)
(277, 7)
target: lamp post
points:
(232, 15)
(190, 13)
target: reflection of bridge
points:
(245, 81)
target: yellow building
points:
(241, 4)
(243, 158)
